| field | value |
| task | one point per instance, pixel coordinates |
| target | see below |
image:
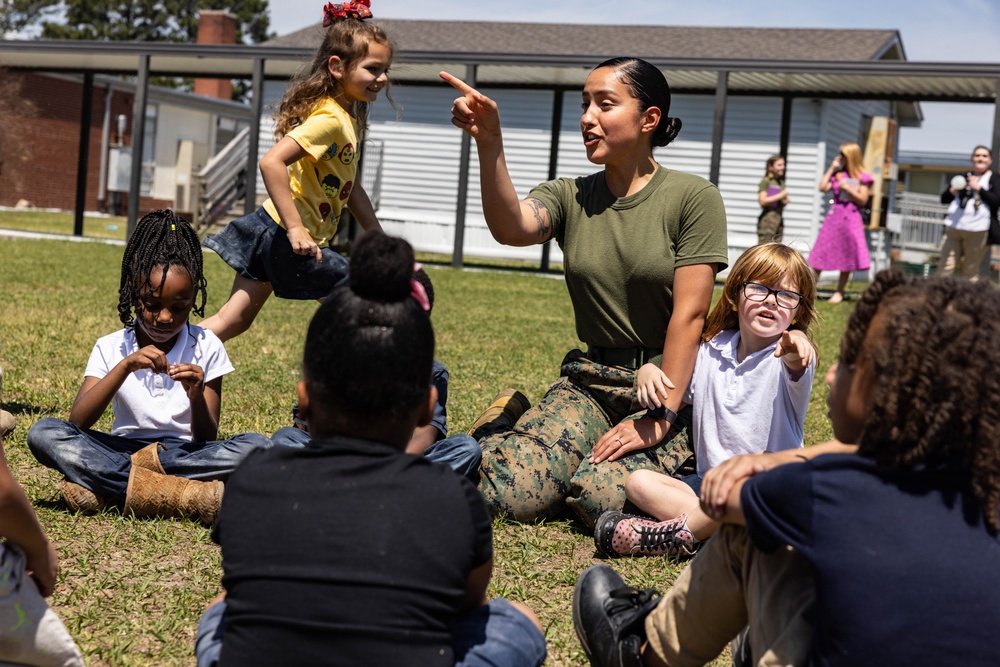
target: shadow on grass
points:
(16, 408)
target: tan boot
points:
(79, 498)
(155, 494)
(507, 406)
(149, 458)
(7, 424)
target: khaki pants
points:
(30, 632)
(770, 226)
(730, 584)
(965, 248)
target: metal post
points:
(102, 185)
(256, 108)
(786, 127)
(718, 125)
(463, 182)
(556, 124)
(83, 155)
(138, 138)
(985, 269)
(996, 120)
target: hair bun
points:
(381, 267)
(667, 131)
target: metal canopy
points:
(165, 59)
(888, 80)
(905, 82)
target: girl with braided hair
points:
(900, 531)
(311, 174)
(162, 377)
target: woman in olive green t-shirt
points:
(641, 246)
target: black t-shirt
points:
(906, 572)
(346, 552)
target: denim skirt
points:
(258, 248)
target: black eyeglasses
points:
(786, 299)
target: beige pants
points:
(728, 585)
(965, 248)
(30, 632)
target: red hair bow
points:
(355, 9)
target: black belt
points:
(628, 357)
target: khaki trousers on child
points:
(30, 632)
(727, 585)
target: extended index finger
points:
(457, 83)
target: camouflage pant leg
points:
(526, 472)
(597, 488)
(770, 226)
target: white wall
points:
(174, 124)
(421, 159)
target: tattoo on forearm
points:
(541, 217)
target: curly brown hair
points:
(931, 347)
(767, 264)
(346, 38)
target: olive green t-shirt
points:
(620, 253)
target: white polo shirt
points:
(150, 405)
(971, 218)
(744, 408)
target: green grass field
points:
(131, 591)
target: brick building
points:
(44, 169)
(40, 146)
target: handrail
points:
(221, 182)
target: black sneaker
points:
(609, 617)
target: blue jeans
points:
(694, 481)
(493, 635)
(460, 452)
(102, 462)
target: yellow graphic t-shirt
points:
(322, 181)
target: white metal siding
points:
(420, 167)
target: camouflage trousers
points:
(770, 226)
(540, 467)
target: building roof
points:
(820, 63)
(604, 41)
(930, 160)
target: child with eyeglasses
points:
(749, 393)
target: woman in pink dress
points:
(841, 244)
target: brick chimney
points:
(215, 27)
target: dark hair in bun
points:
(648, 85)
(370, 346)
(421, 277)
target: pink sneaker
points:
(620, 534)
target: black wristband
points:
(662, 412)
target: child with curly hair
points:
(901, 535)
(311, 174)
